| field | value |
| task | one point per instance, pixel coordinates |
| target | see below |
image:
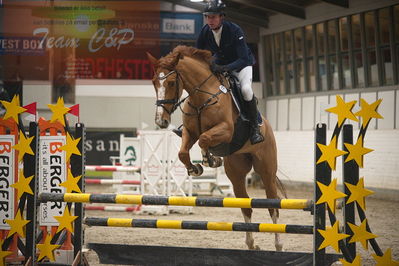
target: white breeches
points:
(245, 79)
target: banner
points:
(52, 172)
(101, 146)
(7, 168)
(80, 39)
(185, 26)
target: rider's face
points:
(214, 21)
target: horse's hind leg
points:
(268, 172)
(237, 167)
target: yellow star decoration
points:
(65, 220)
(13, 108)
(71, 146)
(72, 183)
(3, 253)
(368, 111)
(329, 153)
(386, 259)
(47, 249)
(343, 110)
(357, 151)
(59, 110)
(330, 194)
(17, 225)
(331, 237)
(22, 186)
(357, 261)
(358, 193)
(23, 146)
(360, 234)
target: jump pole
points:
(199, 225)
(296, 204)
(106, 168)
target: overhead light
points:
(196, 0)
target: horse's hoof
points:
(253, 247)
(279, 247)
(215, 162)
(195, 170)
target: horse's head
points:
(166, 83)
(172, 75)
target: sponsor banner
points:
(52, 172)
(101, 146)
(7, 174)
(181, 25)
(21, 46)
(82, 37)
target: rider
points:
(231, 54)
(227, 43)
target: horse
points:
(209, 116)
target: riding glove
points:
(215, 68)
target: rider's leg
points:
(245, 79)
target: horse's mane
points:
(181, 51)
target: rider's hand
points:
(215, 68)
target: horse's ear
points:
(152, 59)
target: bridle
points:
(175, 100)
(213, 99)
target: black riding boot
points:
(178, 131)
(252, 112)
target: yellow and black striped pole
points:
(199, 225)
(303, 204)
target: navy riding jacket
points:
(233, 52)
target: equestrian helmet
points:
(214, 7)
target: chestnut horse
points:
(209, 117)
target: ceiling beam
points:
(341, 3)
(275, 6)
(238, 15)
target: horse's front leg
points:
(210, 160)
(187, 143)
(218, 134)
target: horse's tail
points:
(281, 187)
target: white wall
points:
(381, 168)
(312, 109)
(110, 103)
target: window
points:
(354, 51)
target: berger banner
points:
(52, 172)
(7, 166)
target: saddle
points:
(241, 126)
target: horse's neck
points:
(198, 81)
